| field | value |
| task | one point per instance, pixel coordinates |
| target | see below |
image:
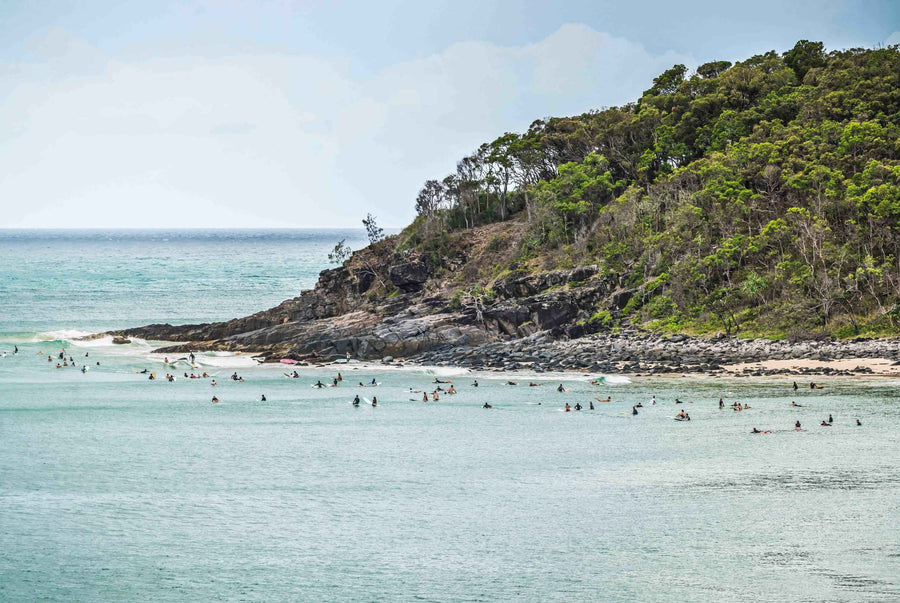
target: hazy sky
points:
(313, 113)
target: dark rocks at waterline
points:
(646, 353)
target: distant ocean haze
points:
(103, 279)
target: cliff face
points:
(389, 303)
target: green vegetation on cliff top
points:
(760, 198)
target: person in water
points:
(213, 382)
(830, 420)
(374, 401)
(577, 406)
(334, 382)
(424, 396)
(511, 383)
(486, 405)
(339, 378)
(262, 398)
(319, 384)
(826, 424)
(215, 400)
(858, 423)
(797, 425)
(721, 403)
(16, 350)
(356, 400)
(795, 386)
(592, 404)
(373, 382)
(634, 410)
(560, 388)
(568, 408)
(434, 396)
(653, 401)
(451, 390)
(475, 384)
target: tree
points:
(712, 69)
(340, 254)
(429, 198)
(373, 231)
(668, 82)
(804, 56)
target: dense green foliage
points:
(758, 198)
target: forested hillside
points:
(756, 198)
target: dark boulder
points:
(409, 277)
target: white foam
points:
(61, 335)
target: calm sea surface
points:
(117, 488)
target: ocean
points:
(115, 487)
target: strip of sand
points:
(878, 366)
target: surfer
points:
(475, 384)
(858, 423)
(424, 396)
(339, 378)
(797, 425)
(592, 404)
(374, 401)
(373, 382)
(826, 424)
(192, 357)
(533, 384)
(830, 420)
(213, 382)
(795, 386)
(434, 396)
(215, 400)
(654, 400)
(577, 406)
(319, 384)
(560, 388)
(607, 400)
(356, 400)
(568, 408)
(262, 398)
(451, 390)
(677, 401)
(486, 405)
(721, 403)
(511, 383)
(634, 410)
(334, 382)
(15, 349)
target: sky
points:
(314, 113)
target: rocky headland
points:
(541, 322)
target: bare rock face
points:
(341, 316)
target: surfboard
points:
(367, 401)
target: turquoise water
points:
(114, 487)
